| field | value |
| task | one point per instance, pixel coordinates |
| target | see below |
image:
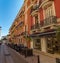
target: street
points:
(9, 56)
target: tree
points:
(58, 34)
(28, 38)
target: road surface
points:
(8, 55)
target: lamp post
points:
(0, 32)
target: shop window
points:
(50, 45)
(53, 46)
(37, 44)
(49, 42)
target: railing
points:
(50, 20)
(36, 26)
(24, 33)
(34, 7)
(40, 2)
(20, 24)
(44, 1)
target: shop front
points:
(46, 42)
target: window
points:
(48, 15)
(48, 12)
(28, 3)
(32, 1)
(36, 19)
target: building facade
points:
(38, 20)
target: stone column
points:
(43, 44)
(31, 43)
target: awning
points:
(43, 34)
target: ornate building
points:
(37, 19)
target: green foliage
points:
(58, 34)
(27, 38)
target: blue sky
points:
(8, 12)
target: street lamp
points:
(0, 32)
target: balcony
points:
(46, 2)
(36, 26)
(34, 8)
(24, 33)
(40, 2)
(52, 20)
(20, 24)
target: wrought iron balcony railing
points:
(34, 7)
(36, 26)
(44, 1)
(24, 33)
(50, 20)
(20, 24)
(40, 1)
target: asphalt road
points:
(8, 55)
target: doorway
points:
(37, 44)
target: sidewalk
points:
(43, 58)
(31, 59)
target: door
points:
(37, 44)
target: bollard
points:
(25, 53)
(38, 59)
(57, 60)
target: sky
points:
(8, 11)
